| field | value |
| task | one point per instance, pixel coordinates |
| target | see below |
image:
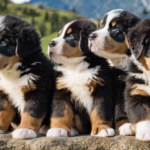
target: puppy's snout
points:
(52, 43)
(93, 36)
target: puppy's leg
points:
(100, 127)
(7, 114)
(61, 125)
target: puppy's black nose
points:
(93, 36)
(52, 43)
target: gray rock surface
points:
(73, 143)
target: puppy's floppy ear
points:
(83, 44)
(27, 43)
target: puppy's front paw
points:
(126, 129)
(106, 132)
(24, 133)
(1, 132)
(143, 131)
(74, 132)
(54, 132)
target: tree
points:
(42, 29)
(73, 9)
(3, 6)
(41, 6)
(144, 12)
(46, 18)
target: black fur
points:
(23, 35)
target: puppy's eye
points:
(114, 28)
(2, 43)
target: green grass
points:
(45, 41)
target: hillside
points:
(46, 21)
(93, 8)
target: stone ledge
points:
(73, 143)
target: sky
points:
(20, 1)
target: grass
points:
(45, 41)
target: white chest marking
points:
(76, 80)
(11, 82)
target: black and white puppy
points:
(110, 42)
(137, 93)
(26, 78)
(84, 97)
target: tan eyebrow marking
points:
(113, 23)
(1, 36)
(69, 31)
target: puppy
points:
(110, 42)
(26, 78)
(137, 92)
(83, 98)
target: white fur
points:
(23, 133)
(74, 132)
(75, 77)
(11, 82)
(126, 129)
(43, 130)
(106, 132)
(56, 132)
(1, 132)
(2, 25)
(143, 130)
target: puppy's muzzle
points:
(93, 36)
(52, 43)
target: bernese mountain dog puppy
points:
(83, 99)
(26, 79)
(137, 92)
(109, 42)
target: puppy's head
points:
(109, 41)
(72, 41)
(18, 39)
(139, 42)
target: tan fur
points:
(139, 92)
(71, 52)
(113, 47)
(5, 61)
(59, 32)
(60, 85)
(119, 124)
(77, 124)
(97, 123)
(101, 22)
(113, 23)
(69, 31)
(29, 122)
(1, 36)
(91, 84)
(64, 122)
(30, 87)
(6, 115)
(144, 61)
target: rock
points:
(73, 143)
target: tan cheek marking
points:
(5, 61)
(97, 123)
(69, 31)
(63, 122)
(126, 42)
(28, 88)
(101, 22)
(113, 23)
(70, 52)
(119, 124)
(6, 115)
(113, 47)
(29, 122)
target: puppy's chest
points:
(16, 89)
(81, 83)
